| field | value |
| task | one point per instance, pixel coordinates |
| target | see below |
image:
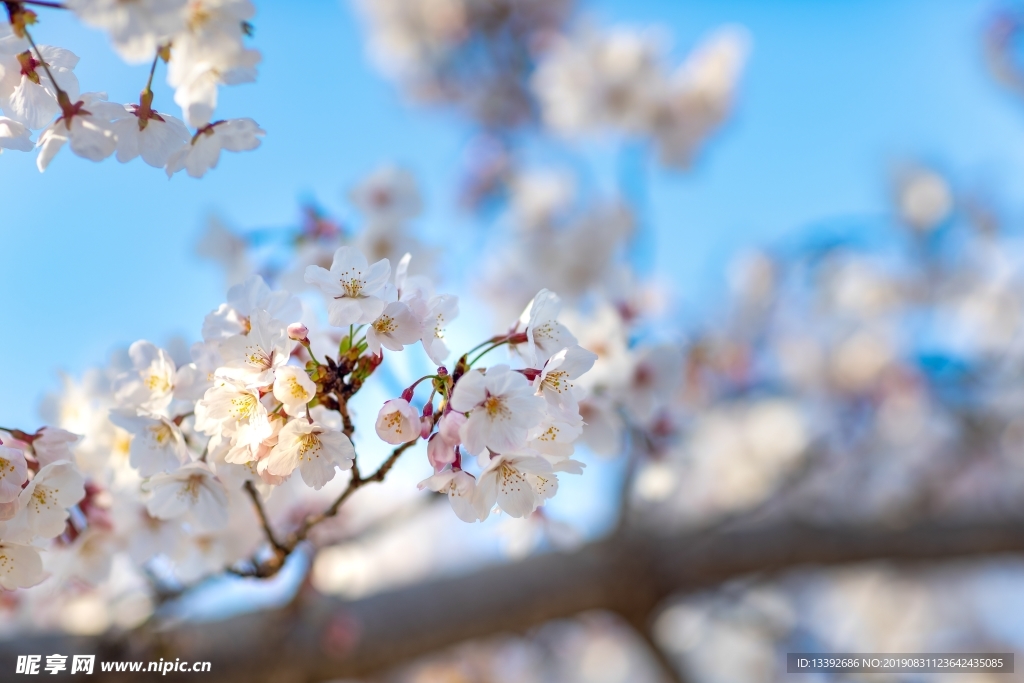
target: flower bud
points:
(298, 332)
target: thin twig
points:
(258, 503)
(354, 484)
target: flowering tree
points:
(180, 469)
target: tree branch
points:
(320, 638)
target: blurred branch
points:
(631, 574)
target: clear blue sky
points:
(95, 256)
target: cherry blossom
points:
(86, 126)
(517, 483)
(398, 422)
(394, 329)
(152, 135)
(27, 95)
(353, 286)
(253, 357)
(315, 451)
(203, 152)
(441, 448)
(52, 444)
(545, 336)
(440, 310)
(192, 492)
(136, 28)
(503, 407)
(13, 473)
(20, 566)
(14, 135)
(49, 494)
(157, 442)
(461, 489)
(294, 389)
(555, 381)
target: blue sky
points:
(96, 256)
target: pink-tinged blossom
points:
(53, 444)
(203, 152)
(502, 407)
(353, 287)
(398, 422)
(13, 473)
(442, 445)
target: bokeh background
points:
(835, 94)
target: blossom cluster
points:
(617, 81)
(39, 484)
(173, 447)
(203, 44)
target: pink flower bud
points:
(298, 332)
(440, 452)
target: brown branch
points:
(258, 504)
(354, 484)
(321, 638)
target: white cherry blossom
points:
(210, 52)
(311, 448)
(26, 93)
(394, 329)
(150, 384)
(293, 388)
(555, 382)
(13, 473)
(20, 566)
(152, 135)
(461, 489)
(86, 127)
(545, 336)
(46, 499)
(191, 492)
(517, 483)
(232, 408)
(254, 357)
(233, 317)
(14, 135)
(157, 442)
(202, 153)
(398, 422)
(503, 407)
(136, 28)
(440, 310)
(353, 287)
